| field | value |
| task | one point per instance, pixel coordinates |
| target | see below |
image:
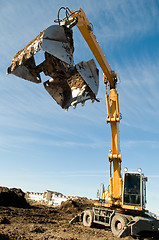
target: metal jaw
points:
(78, 84)
(69, 84)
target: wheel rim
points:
(118, 226)
(88, 219)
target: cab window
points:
(132, 189)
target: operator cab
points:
(134, 189)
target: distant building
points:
(48, 197)
(38, 197)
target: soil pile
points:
(12, 197)
(76, 205)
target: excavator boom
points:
(113, 115)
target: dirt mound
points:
(76, 205)
(12, 197)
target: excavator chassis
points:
(121, 224)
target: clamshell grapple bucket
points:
(55, 40)
(23, 64)
(68, 84)
(78, 84)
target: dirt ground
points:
(43, 222)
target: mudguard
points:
(140, 225)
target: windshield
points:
(132, 189)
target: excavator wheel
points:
(118, 223)
(88, 218)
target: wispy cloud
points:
(153, 176)
(139, 143)
(9, 142)
(124, 19)
(88, 173)
(139, 93)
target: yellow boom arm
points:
(113, 115)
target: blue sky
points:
(43, 147)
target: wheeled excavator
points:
(123, 205)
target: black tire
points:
(118, 223)
(88, 218)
